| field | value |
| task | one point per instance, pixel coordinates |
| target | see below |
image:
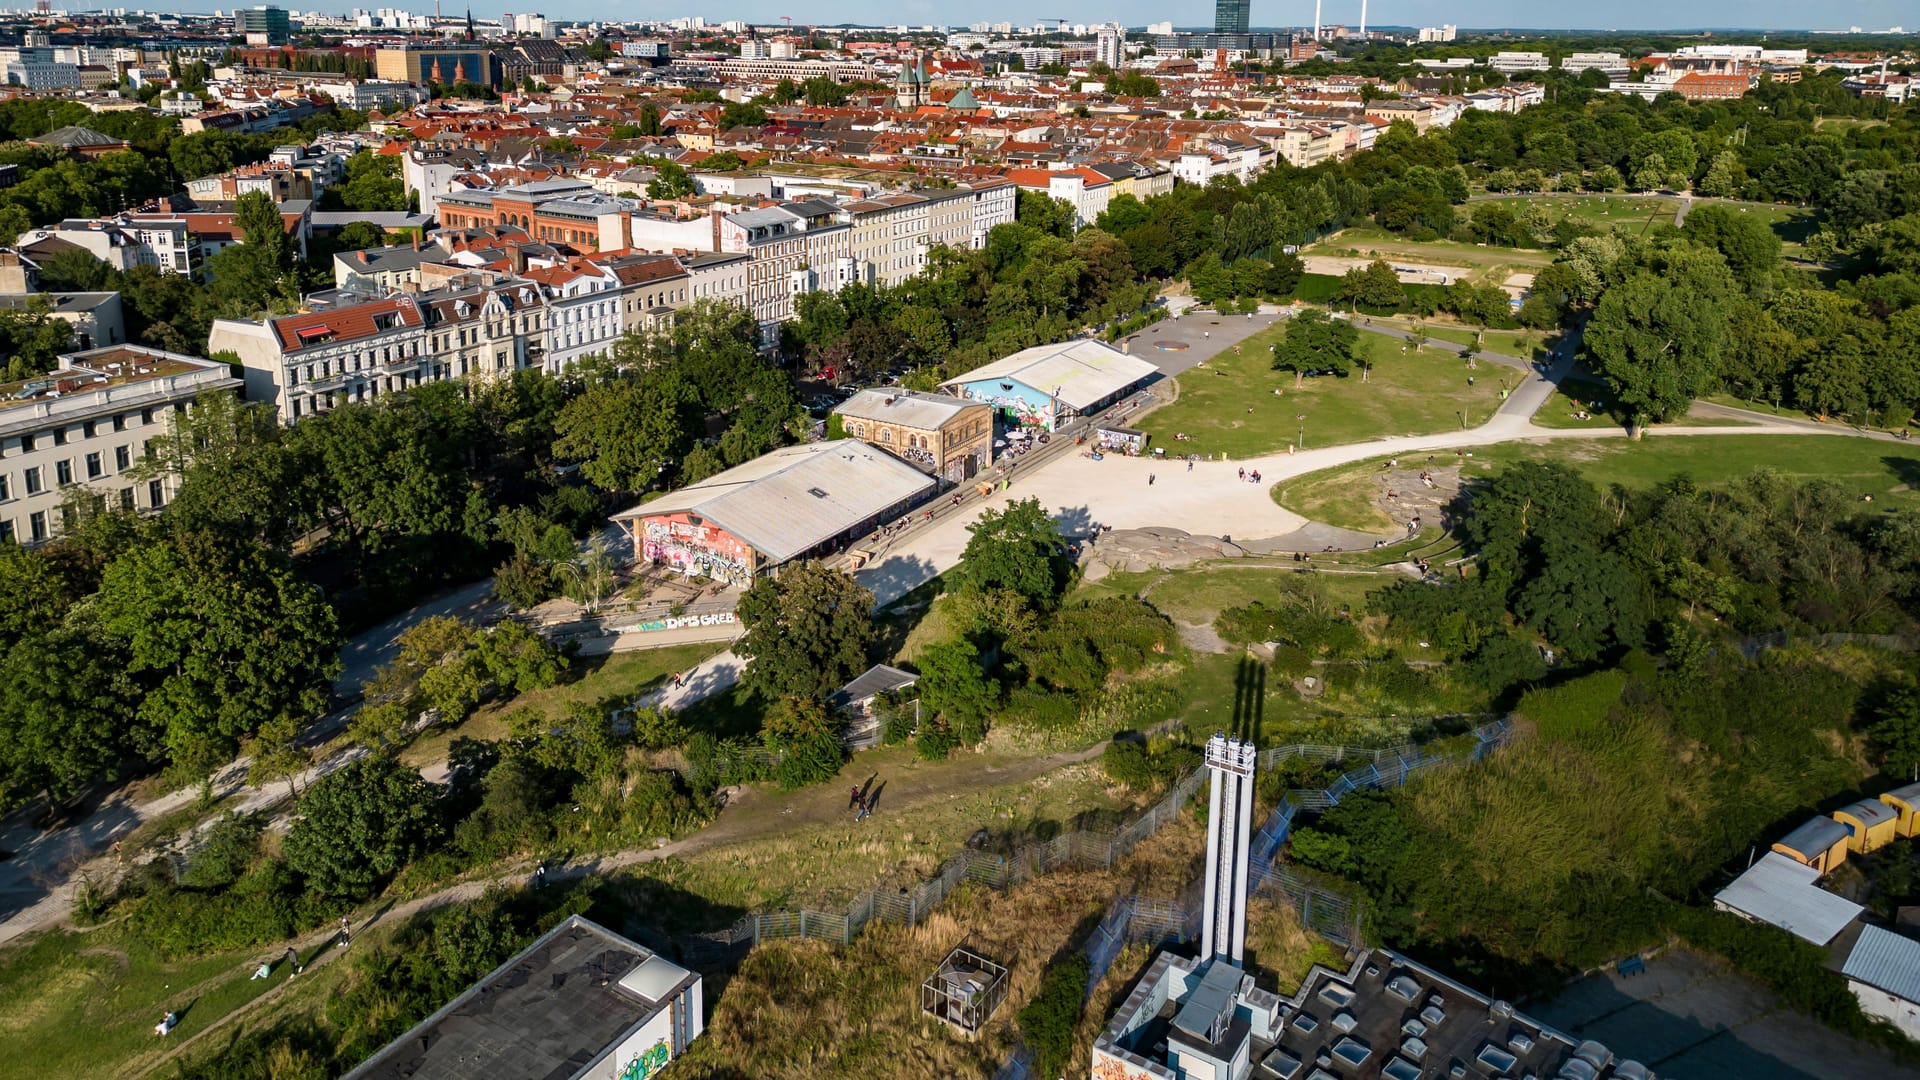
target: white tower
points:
(1316, 20)
(1223, 926)
(1363, 20)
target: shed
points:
(1883, 971)
(1905, 802)
(855, 701)
(964, 990)
(1781, 892)
(1870, 824)
(1820, 843)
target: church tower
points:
(910, 89)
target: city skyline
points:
(1869, 15)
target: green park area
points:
(1887, 471)
(1229, 404)
(1630, 213)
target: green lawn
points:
(1888, 472)
(1405, 394)
(86, 1003)
(1368, 240)
(1792, 224)
(1629, 212)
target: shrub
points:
(1047, 1023)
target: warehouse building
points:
(1049, 385)
(796, 502)
(581, 1003)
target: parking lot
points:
(1691, 1018)
(1177, 344)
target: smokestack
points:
(1363, 20)
(1316, 20)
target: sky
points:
(1611, 15)
(1518, 14)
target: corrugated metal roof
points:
(1781, 892)
(1210, 1000)
(1817, 835)
(786, 502)
(1079, 373)
(1886, 960)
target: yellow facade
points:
(1870, 824)
(1820, 843)
(1905, 803)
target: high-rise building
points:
(1230, 16)
(1110, 44)
(263, 25)
(1437, 33)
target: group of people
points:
(289, 960)
(862, 802)
(1251, 477)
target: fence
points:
(1751, 648)
(906, 907)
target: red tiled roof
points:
(351, 323)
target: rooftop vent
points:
(816, 493)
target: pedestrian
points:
(866, 809)
(292, 961)
(346, 931)
(1189, 464)
(1149, 479)
(1243, 473)
(853, 797)
(677, 680)
(265, 969)
(539, 875)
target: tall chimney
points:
(1363, 20)
(1316, 20)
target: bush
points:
(230, 847)
(1048, 1022)
(934, 742)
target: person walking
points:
(292, 961)
(1189, 464)
(866, 809)
(853, 797)
(1243, 472)
(346, 931)
(1149, 479)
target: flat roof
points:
(793, 499)
(895, 406)
(1781, 892)
(548, 1012)
(1080, 373)
(1886, 960)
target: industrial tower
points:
(1223, 928)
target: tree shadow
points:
(892, 576)
(1904, 469)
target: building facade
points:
(945, 436)
(90, 423)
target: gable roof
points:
(1078, 373)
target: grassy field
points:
(1792, 224)
(591, 678)
(1866, 467)
(1488, 263)
(1405, 394)
(1630, 213)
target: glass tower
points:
(1230, 16)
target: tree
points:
(360, 824)
(1315, 341)
(806, 735)
(277, 755)
(1132, 84)
(219, 639)
(1019, 550)
(1723, 176)
(1376, 286)
(626, 435)
(953, 684)
(1660, 339)
(807, 631)
(373, 184)
(63, 708)
(738, 114)
(1038, 210)
(1751, 249)
(1895, 735)
(670, 181)
(360, 236)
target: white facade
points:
(1509, 63)
(1110, 45)
(1437, 33)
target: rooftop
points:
(1781, 892)
(58, 303)
(791, 500)
(1816, 836)
(548, 1012)
(925, 412)
(1080, 373)
(1886, 960)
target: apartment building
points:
(1085, 190)
(584, 310)
(555, 211)
(89, 423)
(160, 241)
(651, 289)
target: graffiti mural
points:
(1025, 406)
(1112, 1068)
(696, 550)
(644, 1065)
